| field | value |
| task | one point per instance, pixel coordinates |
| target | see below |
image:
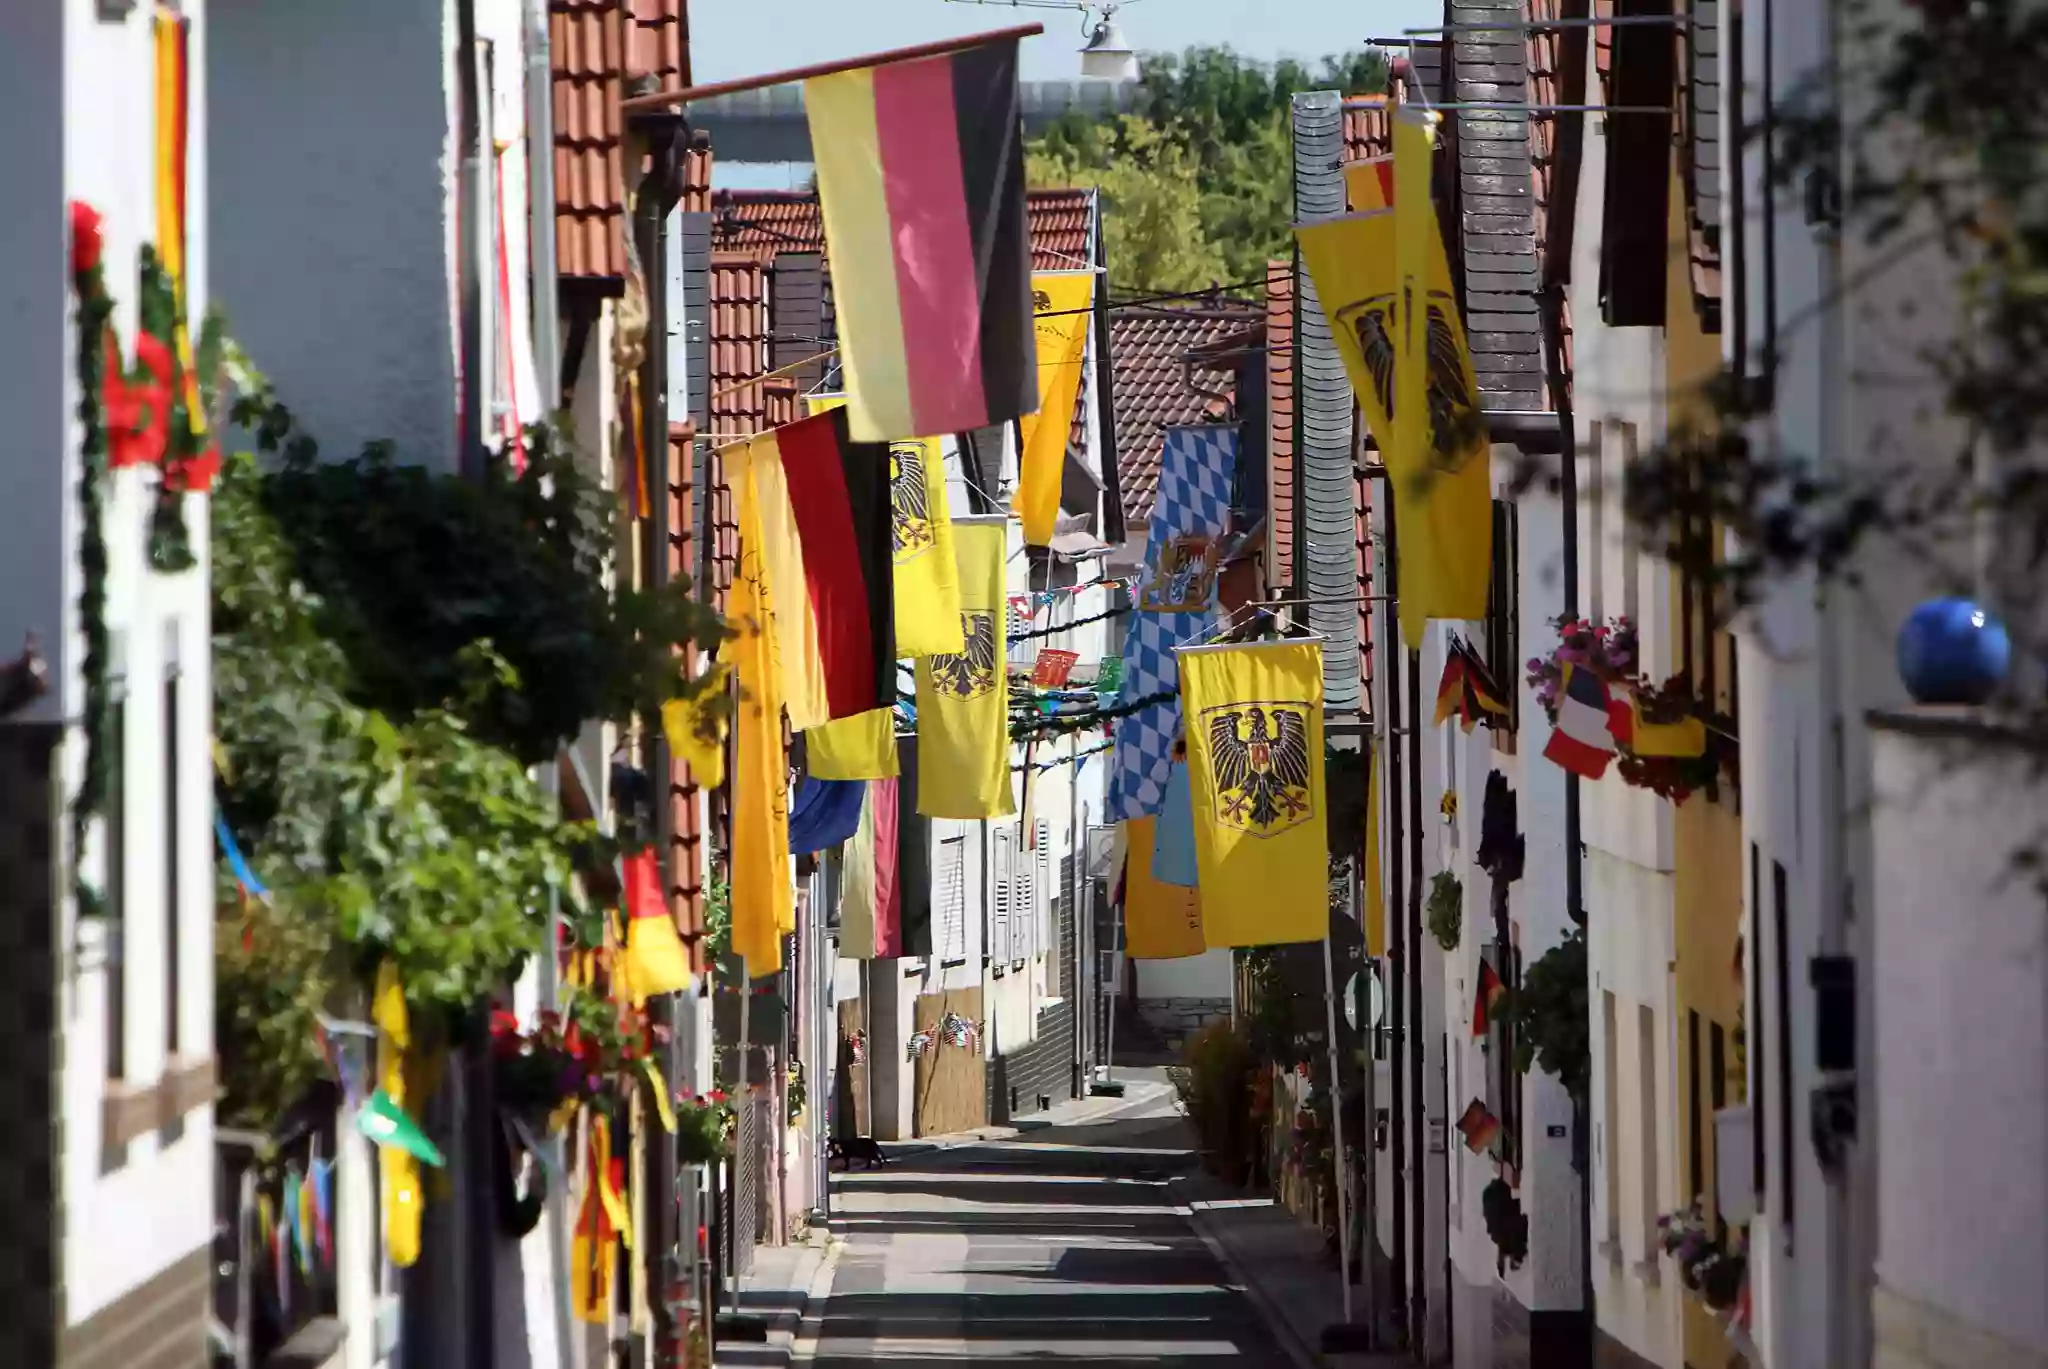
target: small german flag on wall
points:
(920, 169)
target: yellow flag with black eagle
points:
(1255, 770)
(763, 893)
(1363, 264)
(963, 699)
(1061, 309)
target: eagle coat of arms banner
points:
(1174, 606)
(963, 698)
(1255, 774)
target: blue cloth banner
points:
(1173, 840)
(824, 813)
(1174, 604)
(243, 874)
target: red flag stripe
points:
(839, 570)
(882, 794)
(935, 279)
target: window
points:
(171, 843)
(1781, 966)
(1610, 1076)
(1759, 1168)
(1503, 612)
(1595, 556)
(1650, 1192)
(115, 880)
(1695, 1125)
(949, 878)
(1045, 939)
(1002, 863)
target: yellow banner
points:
(926, 583)
(862, 747)
(1443, 500)
(780, 558)
(1062, 302)
(761, 889)
(1255, 767)
(696, 729)
(1161, 921)
(963, 700)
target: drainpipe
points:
(1400, 950)
(1551, 303)
(473, 201)
(540, 194)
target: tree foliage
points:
(392, 650)
(1152, 222)
(1204, 166)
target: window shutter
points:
(1022, 945)
(999, 911)
(1044, 941)
(952, 900)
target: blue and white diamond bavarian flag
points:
(1176, 606)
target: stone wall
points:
(1176, 1019)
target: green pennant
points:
(388, 1124)
(1109, 676)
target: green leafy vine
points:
(95, 314)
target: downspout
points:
(1418, 1183)
(1551, 303)
(547, 347)
(472, 198)
(540, 194)
(1399, 947)
(652, 200)
(1113, 530)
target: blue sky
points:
(730, 38)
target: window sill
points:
(129, 1111)
(1648, 1272)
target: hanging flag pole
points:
(674, 99)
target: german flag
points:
(920, 170)
(1450, 689)
(1482, 693)
(838, 497)
(1486, 999)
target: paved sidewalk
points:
(1144, 1091)
(1279, 1261)
(785, 1284)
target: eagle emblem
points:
(1040, 301)
(971, 673)
(1259, 765)
(910, 511)
(1456, 432)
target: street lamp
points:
(1107, 57)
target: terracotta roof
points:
(764, 222)
(1280, 510)
(1368, 127)
(597, 48)
(1148, 348)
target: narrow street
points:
(1064, 1244)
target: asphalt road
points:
(1062, 1245)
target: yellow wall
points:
(1708, 859)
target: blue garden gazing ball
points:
(1952, 652)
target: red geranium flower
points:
(86, 239)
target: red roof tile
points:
(1155, 388)
(1368, 127)
(1280, 510)
(764, 222)
(597, 48)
